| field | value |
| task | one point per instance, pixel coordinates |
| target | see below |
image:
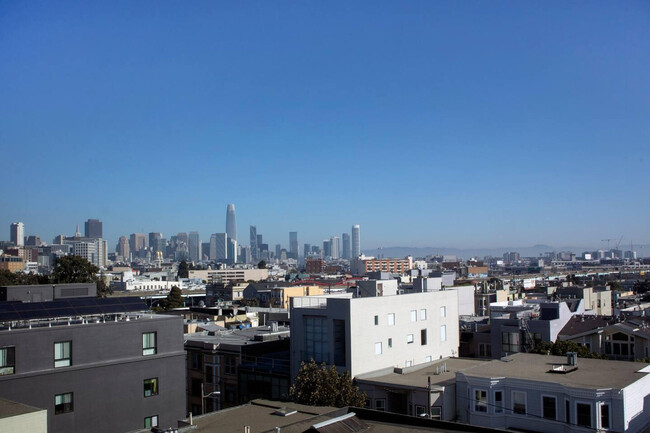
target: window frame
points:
(383, 404)
(443, 333)
(153, 390)
(480, 402)
(63, 361)
(591, 413)
(423, 337)
(443, 311)
(149, 350)
(391, 319)
(414, 315)
(63, 407)
(378, 348)
(9, 366)
(512, 405)
(423, 314)
(409, 338)
(498, 405)
(555, 414)
(153, 421)
(376, 320)
(609, 415)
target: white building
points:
(360, 335)
(548, 394)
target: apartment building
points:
(94, 364)
(360, 335)
(362, 265)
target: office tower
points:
(205, 250)
(58, 239)
(327, 250)
(253, 239)
(306, 250)
(17, 231)
(231, 222)
(334, 247)
(138, 242)
(231, 253)
(219, 246)
(356, 241)
(246, 255)
(194, 246)
(93, 229)
(32, 241)
(346, 246)
(293, 245)
(278, 248)
(123, 248)
(152, 238)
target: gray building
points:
(231, 222)
(47, 292)
(346, 246)
(356, 241)
(93, 228)
(194, 246)
(93, 370)
(219, 246)
(253, 240)
(293, 245)
(17, 232)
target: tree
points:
(261, 265)
(183, 270)
(8, 278)
(249, 302)
(561, 347)
(173, 300)
(74, 269)
(323, 386)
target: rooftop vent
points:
(285, 411)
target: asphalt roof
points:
(10, 408)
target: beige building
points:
(229, 275)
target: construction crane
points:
(618, 244)
(607, 240)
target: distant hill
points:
(534, 251)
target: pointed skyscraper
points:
(231, 222)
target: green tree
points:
(261, 265)
(615, 285)
(249, 302)
(322, 386)
(183, 270)
(74, 269)
(173, 300)
(561, 347)
(8, 278)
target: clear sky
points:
(429, 123)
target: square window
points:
(380, 404)
(391, 319)
(7, 360)
(443, 311)
(409, 338)
(423, 337)
(63, 403)
(63, 354)
(423, 314)
(378, 348)
(443, 333)
(151, 421)
(414, 315)
(149, 343)
(151, 387)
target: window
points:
(380, 404)
(63, 403)
(604, 416)
(519, 402)
(149, 343)
(480, 400)
(196, 360)
(63, 354)
(414, 315)
(377, 348)
(7, 360)
(420, 410)
(436, 412)
(231, 364)
(409, 363)
(340, 351)
(549, 407)
(427, 358)
(316, 339)
(151, 421)
(423, 337)
(443, 333)
(498, 401)
(376, 320)
(391, 319)
(443, 311)
(390, 342)
(583, 414)
(484, 350)
(567, 412)
(510, 342)
(209, 374)
(423, 314)
(409, 338)
(151, 387)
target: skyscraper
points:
(138, 242)
(293, 245)
(334, 247)
(219, 246)
(306, 250)
(278, 249)
(123, 248)
(194, 246)
(231, 222)
(17, 231)
(327, 248)
(253, 239)
(231, 253)
(356, 241)
(346, 246)
(93, 229)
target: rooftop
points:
(10, 408)
(591, 373)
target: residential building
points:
(229, 275)
(12, 263)
(93, 363)
(278, 295)
(224, 292)
(361, 265)
(93, 229)
(542, 393)
(356, 241)
(599, 301)
(314, 265)
(17, 233)
(92, 249)
(17, 417)
(360, 335)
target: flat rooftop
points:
(441, 372)
(10, 408)
(591, 373)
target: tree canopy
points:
(322, 386)
(183, 270)
(8, 278)
(173, 300)
(561, 347)
(75, 269)
(261, 265)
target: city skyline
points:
(466, 125)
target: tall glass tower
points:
(231, 222)
(356, 241)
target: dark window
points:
(498, 401)
(196, 360)
(231, 364)
(196, 388)
(209, 374)
(151, 421)
(376, 320)
(340, 354)
(583, 414)
(151, 387)
(423, 337)
(63, 403)
(7, 360)
(548, 407)
(567, 411)
(604, 416)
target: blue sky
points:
(460, 124)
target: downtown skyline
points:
(430, 125)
